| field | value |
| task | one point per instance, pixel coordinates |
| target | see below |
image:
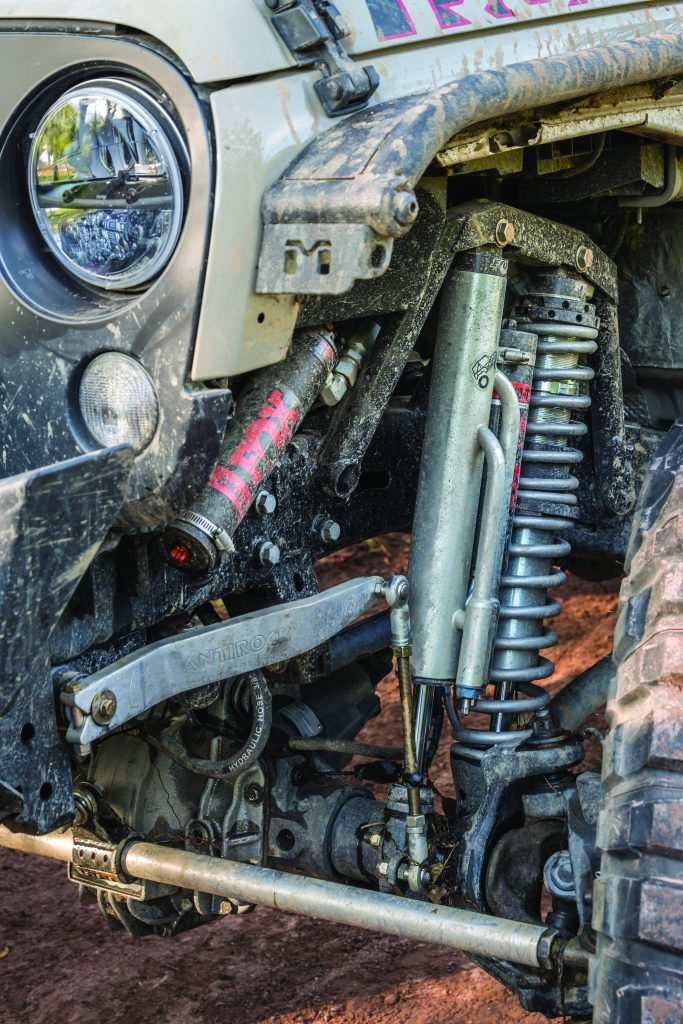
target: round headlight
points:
(118, 401)
(105, 184)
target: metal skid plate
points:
(52, 521)
(222, 651)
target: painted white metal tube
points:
(297, 894)
(466, 930)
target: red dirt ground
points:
(59, 964)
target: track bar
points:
(466, 930)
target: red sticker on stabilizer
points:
(523, 392)
(233, 487)
(265, 438)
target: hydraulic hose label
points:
(265, 439)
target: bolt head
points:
(505, 233)
(265, 503)
(405, 208)
(383, 868)
(268, 553)
(330, 531)
(103, 707)
(584, 258)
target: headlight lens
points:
(118, 401)
(105, 184)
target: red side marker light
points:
(179, 556)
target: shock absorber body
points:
(270, 411)
(556, 310)
(450, 472)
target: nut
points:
(334, 390)
(253, 793)
(330, 531)
(267, 553)
(103, 707)
(584, 258)
(265, 503)
(505, 233)
(559, 875)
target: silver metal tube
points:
(509, 425)
(55, 845)
(423, 703)
(297, 894)
(481, 613)
(452, 460)
(466, 930)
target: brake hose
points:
(230, 768)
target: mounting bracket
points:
(311, 30)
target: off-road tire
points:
(637, 976)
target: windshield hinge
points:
(311, 30)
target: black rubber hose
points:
(437, 728)
(332, 746)
(262, 718)
(584, 695)
(366, 637)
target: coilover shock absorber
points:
(556, 310)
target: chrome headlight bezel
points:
(162, 135)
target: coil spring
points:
(556, 310)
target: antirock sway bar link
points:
(478, 934)
(125, 689)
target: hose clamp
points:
(220, 537)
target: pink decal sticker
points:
(411, 31)
(391, 19)
(498, 9)
(446, 16)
